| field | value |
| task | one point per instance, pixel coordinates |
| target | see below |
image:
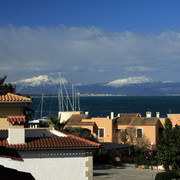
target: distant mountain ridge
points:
(132, 86)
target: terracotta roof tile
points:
(144, 121)
(126, 118)
(16, 118)
(77, 137)
(9, 97)
(51, 142)
(77, 118)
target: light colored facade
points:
(144, 128)
(100, 127)
(53, 155)
(45, 154)
(11, 105)
(106, 129)
(63, 116)
(53, 164)
(175, 119)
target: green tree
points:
(56, 122)
(27, 112)
(168, 146)
(6, 87)
(81, 132)
(176, 147)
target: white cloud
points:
(89, 54)
(138, 68)
(127, 81)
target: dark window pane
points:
(139, 133)
(101, 132)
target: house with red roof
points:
(11, 109)
(43, 153)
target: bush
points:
(168, 175)
(142, 160)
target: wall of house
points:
(65, 115)
(54, 164)
(149, 132)
(9, 110)
(175, 118)
(105, 123)
(4, 124)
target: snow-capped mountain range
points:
(128, 86)
(39, 80)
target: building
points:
(11, 106)
(108, 129)
(147, 127)
(47, 154)
(43, 153)
(175, 119)
(100, 127)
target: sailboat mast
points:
(41, 105)
(78, 101)
(75, 98)
(61, 93)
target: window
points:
(101, 132)
(118, 130)
(139, 133)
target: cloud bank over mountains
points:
(88, 54)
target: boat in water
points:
(37, 122)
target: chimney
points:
(112, 115)
(148, 114)
(158, 114)
(119, 115)
(16, 136)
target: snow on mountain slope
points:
(127, 81)
(39, 80)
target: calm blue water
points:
(103, 106)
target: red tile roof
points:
(9, 97)
(77, 137)
(51, 143)
(16, 118)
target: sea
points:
(102, 106)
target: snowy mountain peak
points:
(38, 80)
(127, 81)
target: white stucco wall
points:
(51, 165)
(64, 115)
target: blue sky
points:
(90, 40)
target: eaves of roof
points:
(13, 98)
(71, 142)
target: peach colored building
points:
(175, 119)
(11, 105)
(107, 129)
(144, 128)
(100, 127)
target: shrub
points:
(168, 175)
(142, 160)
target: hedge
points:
(168, 175)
